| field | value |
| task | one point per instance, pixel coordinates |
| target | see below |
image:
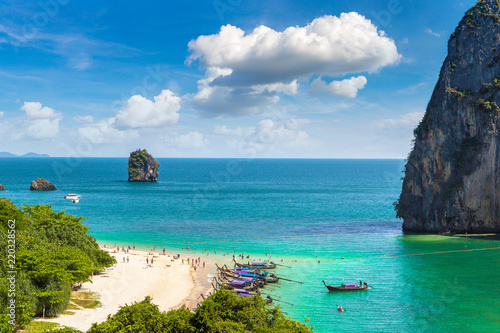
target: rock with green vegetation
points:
(41, 184)
(142, 167)
(2, 188)
(452, 176)
(221, 312)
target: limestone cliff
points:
(41, 184)
(142, 167)
(452, 176)
(2, 188)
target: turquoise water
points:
(304, 210)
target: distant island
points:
(142, 167)
(30, 154)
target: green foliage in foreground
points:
(52, 251)
(40, 326)
(221, 312)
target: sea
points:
(329, 220)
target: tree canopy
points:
(52, 251)
(221, 312)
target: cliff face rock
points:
(2, 188)
(142, 167)
(452, 176)
(41, 184)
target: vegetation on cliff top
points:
(136, 162)
(52, 251)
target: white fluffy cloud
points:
(287, 88)
(42, 128)
(329, 45)
(105, 131)
(142, 112)
(408, 120)
(238, 132)
(34, 110)
(345, 88)
(138, 112)
(267, 134)
(269, 61)
(215, 100)
(430, 32)
(191, 140)
(84, 119)
(41, 122)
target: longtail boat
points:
(265, 276)
(258, 265)
(241, 284)
(347, 287)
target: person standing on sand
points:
(147, 260)
(152, 261)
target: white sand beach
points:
(169, 282)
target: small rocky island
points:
(452, 176)
(41, 184)
(2, 188)
(142, 167)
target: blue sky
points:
(223, 78)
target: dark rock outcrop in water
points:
(142, 167)
(452, 176)
(41, 184)
(2, 188)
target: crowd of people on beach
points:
(195, 263)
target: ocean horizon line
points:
(218, 158)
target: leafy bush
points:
(221, 312)
(487, 106)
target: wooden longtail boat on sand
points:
(347, 287)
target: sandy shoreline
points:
(170, 283)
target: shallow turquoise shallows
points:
(312, 211)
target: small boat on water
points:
(75, 198)
(347, 287)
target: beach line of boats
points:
(247, 280)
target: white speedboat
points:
(73, 197)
